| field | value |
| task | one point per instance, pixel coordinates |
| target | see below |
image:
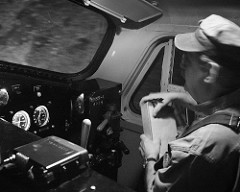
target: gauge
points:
(41, 116)
(22, 120)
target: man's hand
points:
(149, 148)
(162, 99)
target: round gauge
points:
(41, 116)
(22, 120)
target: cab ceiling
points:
(189, 12)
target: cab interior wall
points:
(126, 50)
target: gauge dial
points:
(22, 120)
(41, 116)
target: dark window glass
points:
(177, 78)
(56, 35)
(149, 84)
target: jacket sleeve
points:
(174, 175)
(177, 164)
(202, 161)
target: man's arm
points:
(149, 176)
(174, 167)
(173, 177)
(150, 152)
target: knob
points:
(4, 97)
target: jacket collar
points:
(231, 100)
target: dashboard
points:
(35, 106)
(46, 107)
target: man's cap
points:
(217, 34)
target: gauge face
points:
(22, 120)
(41, 116)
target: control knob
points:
(4, 97)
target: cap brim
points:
(187, 42)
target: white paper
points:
(162, 128)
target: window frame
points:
(140, 70)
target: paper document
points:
(163, 127)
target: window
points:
(177, 79)
(149, 84)
(160, 71)
(56, 35)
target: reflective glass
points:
(57, 35)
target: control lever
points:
(120, 145)
(112, 113)
(107, 117)
(85, 132)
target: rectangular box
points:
(163, 127)
(52, 151)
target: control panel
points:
(102, 107)
(60, 109)
(38, 108)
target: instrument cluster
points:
(40, 117)
(42, 109)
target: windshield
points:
(57, 35)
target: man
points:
(205, 159)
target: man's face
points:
(193, 72)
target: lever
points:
(120, 145)
(111, 109)
(85, 132)
(107, 117)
